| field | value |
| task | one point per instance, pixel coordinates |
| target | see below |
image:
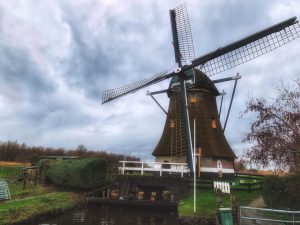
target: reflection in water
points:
(104, 215)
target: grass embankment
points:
(33, 201)
(206, 205)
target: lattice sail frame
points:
(112, 94)
(184, 34)
(250, 51)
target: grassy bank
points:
(32, 201)
(27, 208)
(206, 205)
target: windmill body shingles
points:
(211, 140)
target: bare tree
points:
(275, 133)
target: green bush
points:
(44, 169)
(84, 173)
(282, 192)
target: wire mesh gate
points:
(250, 215)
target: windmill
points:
(193, 94)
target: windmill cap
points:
(199, 81)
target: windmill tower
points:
(193, 94)
(216, 153)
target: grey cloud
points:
(19, 69)
(228, 21)
(87, 47)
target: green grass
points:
(22, 209)
(9, 171)
(32, 201)
(245, 198)
(17, 192)
(206, 205)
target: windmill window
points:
(213, 123)
(172, 123)
(219, 164)
(193, 98)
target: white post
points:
(123, 169)
(194, 166)
(160, 171)
(142, 172)
(181, 169)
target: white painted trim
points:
(215, 170)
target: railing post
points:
(123, 168)
(142, 172)
(160, 172)
(181, 169)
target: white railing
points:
(142, 167)
(223, 186)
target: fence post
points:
(142, 171)
(123, 169)
(160, 172)
(36, 176)
(181, 169)
(24, 171)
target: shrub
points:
(44, 169)
(282, 192)
(84, 173)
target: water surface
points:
(104, 215)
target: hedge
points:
(282, 192)
(83, 174)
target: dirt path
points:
(21, 199)
(257, 203)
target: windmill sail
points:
(184, 50)
(112, 94)
(182, 35)
(248, 48)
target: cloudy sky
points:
(56, 58)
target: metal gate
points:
(250, 215)
(4, 190)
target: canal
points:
(108, 215)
